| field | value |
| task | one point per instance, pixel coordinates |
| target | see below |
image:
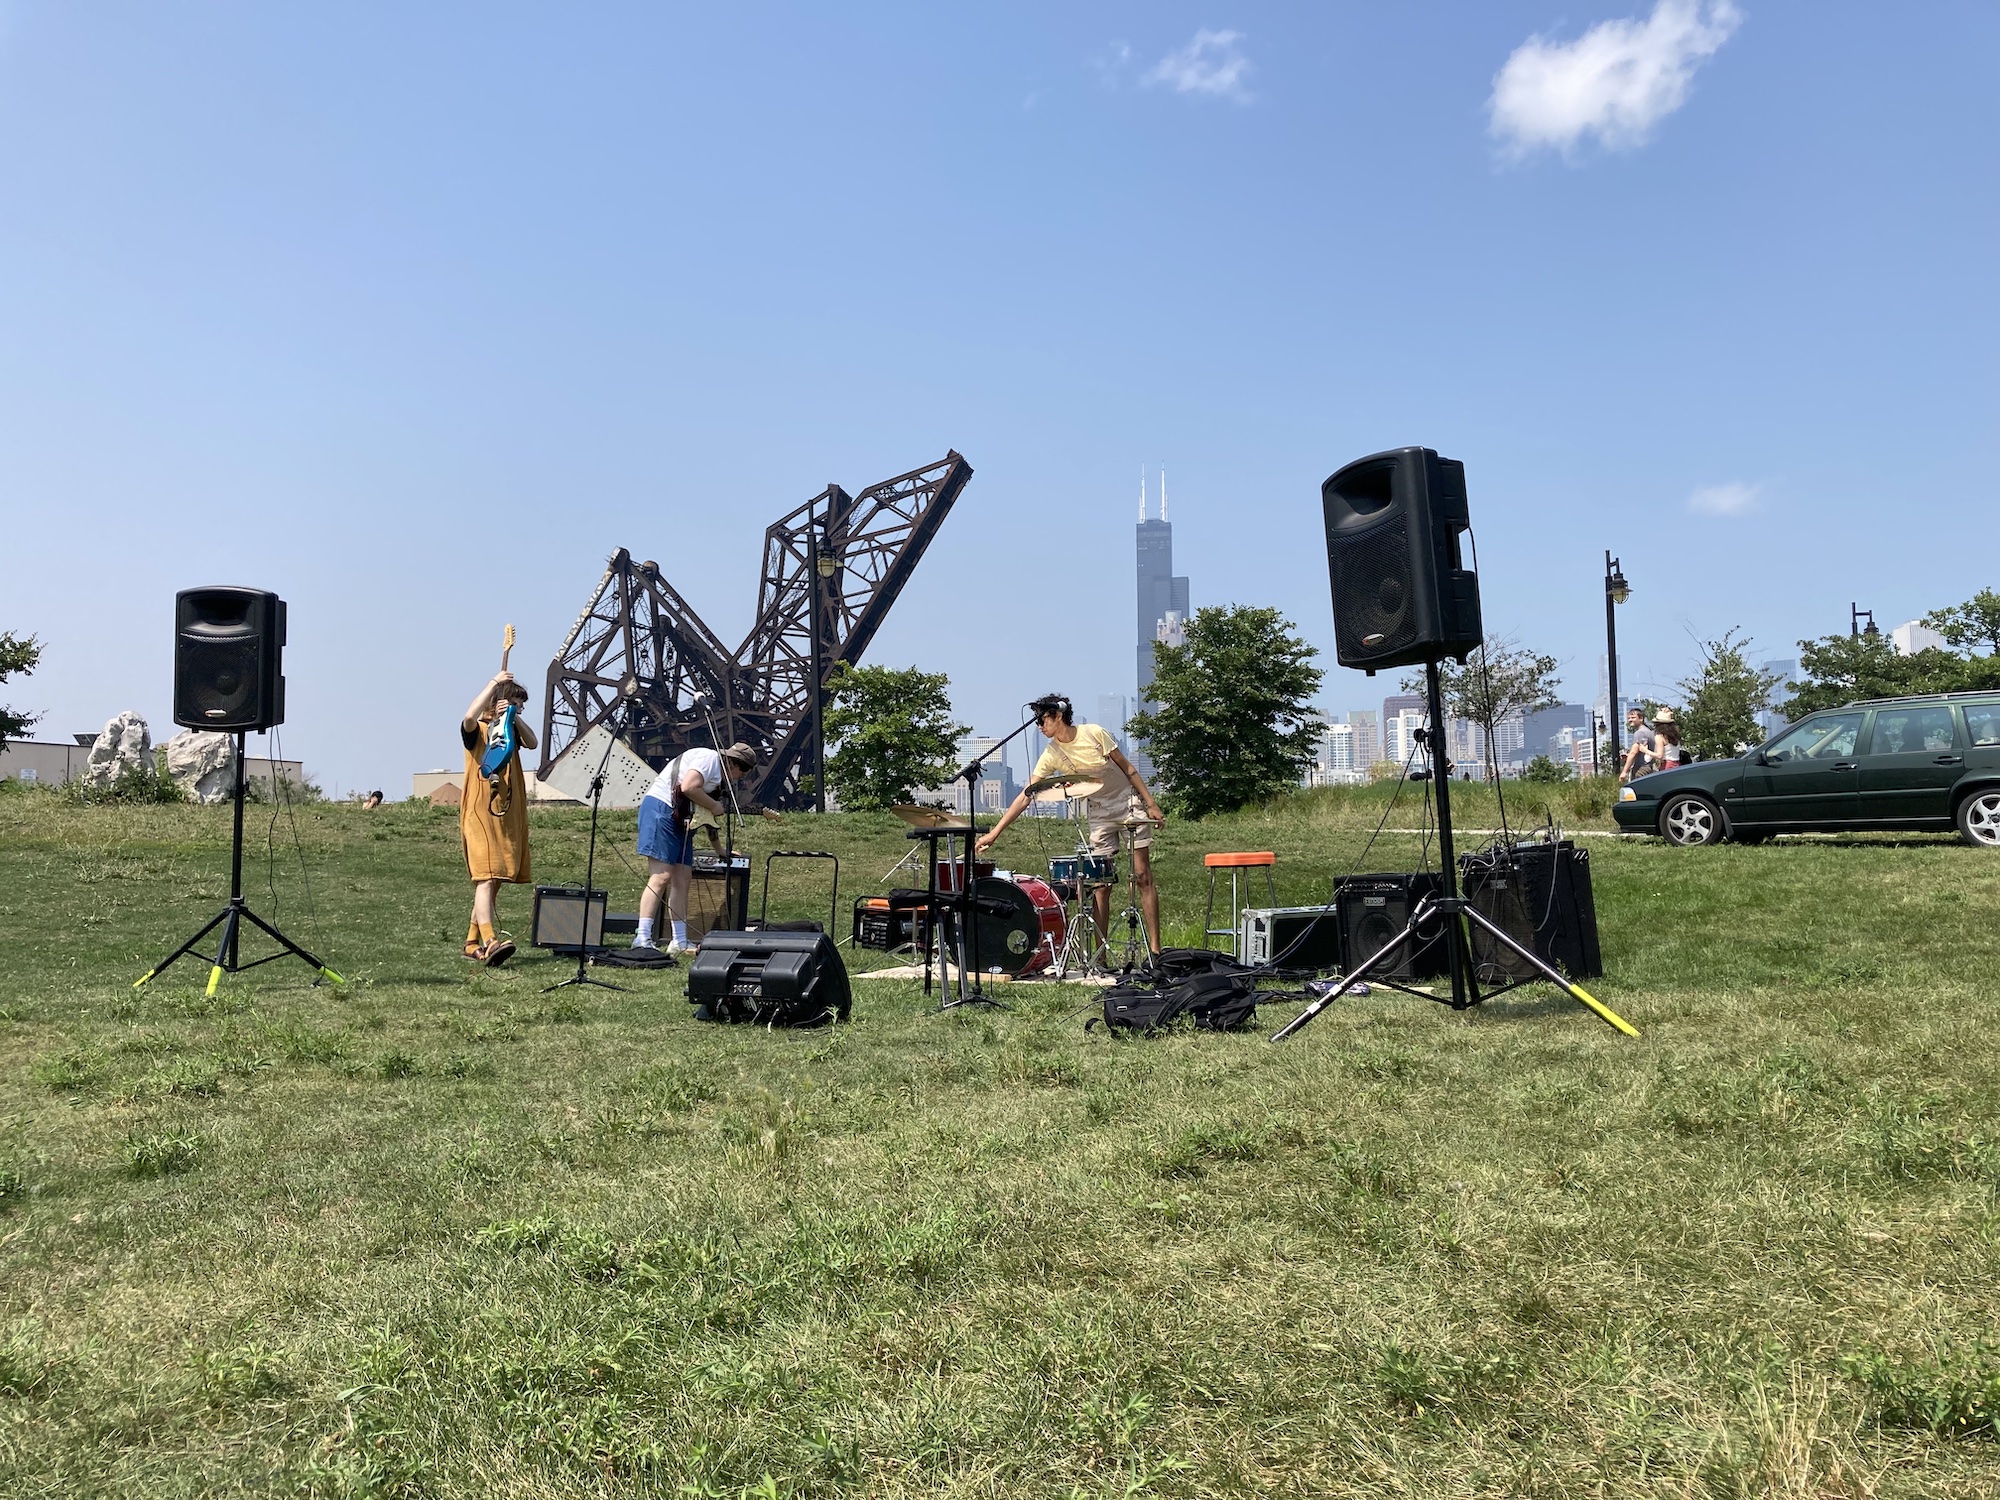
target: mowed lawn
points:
(440, 1233)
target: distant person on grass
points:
(1645, 751)
(1668, 730)
(666, 832)
(493, 823)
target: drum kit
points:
(1024, 925)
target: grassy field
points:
(438, 1233)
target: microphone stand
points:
(583, 948)
(964, 903)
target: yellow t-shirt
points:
(1089, 754)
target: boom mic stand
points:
(627, 691)
(1454, 908)
(237, 912)
(964, 902)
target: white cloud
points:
(1210, 64)
(1615, 82)
(1731, 499)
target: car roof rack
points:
(1951, 697)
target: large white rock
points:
(203, 762)
(125, 745)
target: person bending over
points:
(1087, 750)
(493, 818)
(666, 834)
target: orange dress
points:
(496, 848)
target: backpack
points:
(1218, 1000)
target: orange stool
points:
(1239, 867)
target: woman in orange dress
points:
(493, 819)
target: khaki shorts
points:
(1107, 815)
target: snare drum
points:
(1064, 871)
(1098, 869)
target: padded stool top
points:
(1239, 861)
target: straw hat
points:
(1665, 716)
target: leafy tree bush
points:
(1234, 722)
(1841, 668)
(1723, 699)
(1501, 678)
(22, 655)
(1971, 624)
(891, 731)
(1545, 771)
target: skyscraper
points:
(1160, 593)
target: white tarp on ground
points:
(626, 777)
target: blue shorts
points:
(657, 836)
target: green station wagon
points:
(1919, 763)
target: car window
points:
(1825, 738)
(1904, 731)
(1982, 722)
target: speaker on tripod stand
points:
(229, 647)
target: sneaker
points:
(681, 950)
(645, 949)
(496, 952)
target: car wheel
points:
(1979, 819)
(1688, 819)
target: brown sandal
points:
(497, 952)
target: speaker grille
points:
(1372, 613)
(218, 682)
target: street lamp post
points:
(1855, 615)
(823, 565)
(1616, 592)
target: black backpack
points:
(1218, 1000)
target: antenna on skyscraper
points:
(1142, 492)
(1163, 489)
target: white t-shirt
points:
(699, 758)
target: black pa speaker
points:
(1539, 895)
(771, 978)
(229, 646)
(1401, 590)
(1371, 909)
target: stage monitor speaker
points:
(567, 918)
(1539, 895)
(1371, 909)
(228, 652)
(771, 978)
(1402, 592)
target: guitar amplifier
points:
(1306, 938)
(718, 896)
(567, 917)
(1539, 895)
(1374, 908)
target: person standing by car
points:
(1667, 734)
(1645, 751)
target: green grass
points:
(439, 1233)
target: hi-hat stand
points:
(1456, 911)
(231, 918)
(583, 947)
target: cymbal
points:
(1064, 786)
(924, 817)
(1140, 820)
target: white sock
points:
(681, 933)
(644, 937)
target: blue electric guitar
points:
(503, 743)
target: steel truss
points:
(638, 629)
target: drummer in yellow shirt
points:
(1087, 750)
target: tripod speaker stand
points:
(231, 918)
(1456, 911)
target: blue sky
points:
(413, 314)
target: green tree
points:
(20, 655)
(890, 731)
(1723, 699)
(1842, 668)
(1500, 678)
(1973, 623)
(1542, 769)
(1233, 722)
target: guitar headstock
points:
(506, 645)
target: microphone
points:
(701, 698)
